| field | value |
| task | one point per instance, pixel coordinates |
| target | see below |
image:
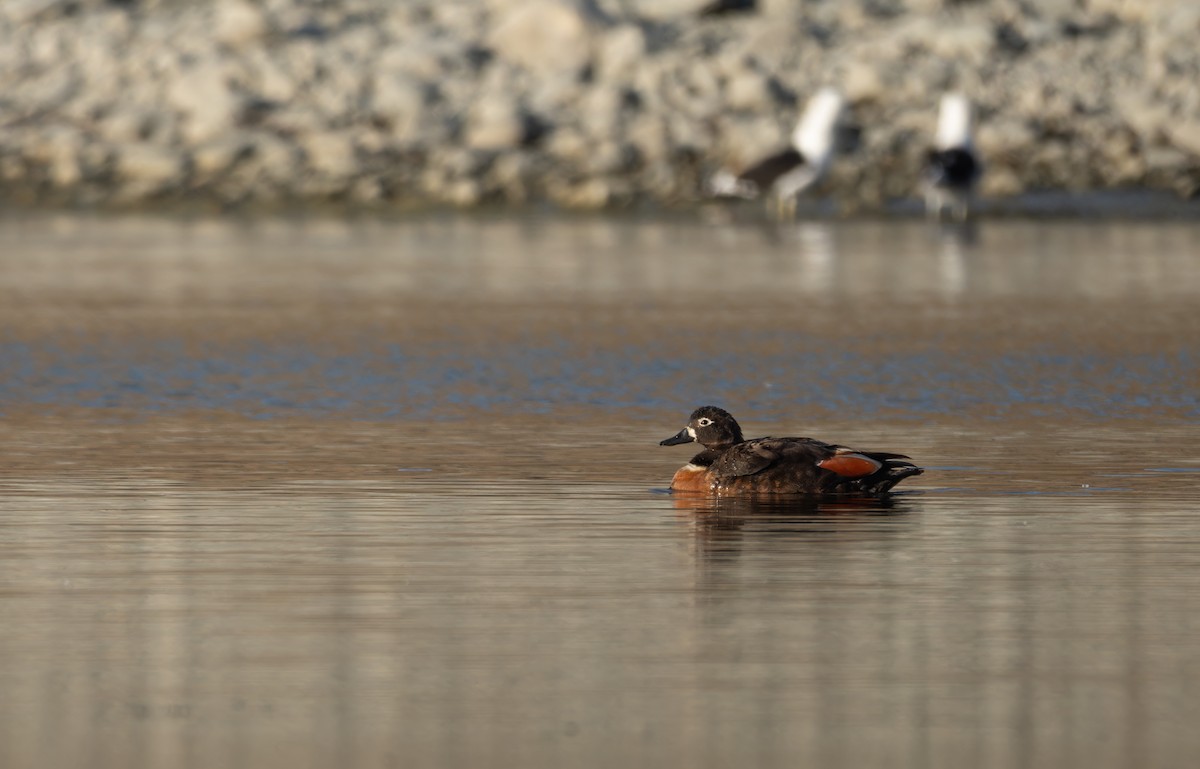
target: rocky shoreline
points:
(582, 104)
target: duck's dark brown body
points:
(731, 465)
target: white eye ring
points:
(704, 421)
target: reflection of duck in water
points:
(733, 511)
(724, 528)
(731, 464)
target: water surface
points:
(369, 493)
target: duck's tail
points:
(895, 468)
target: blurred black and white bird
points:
(952, 166)
(785, 174)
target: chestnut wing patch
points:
(850, 464)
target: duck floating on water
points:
(730, 464)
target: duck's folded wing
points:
(757, 455)
(850, 463)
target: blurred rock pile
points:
(580, 103)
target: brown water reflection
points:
(371, 493)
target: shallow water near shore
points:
(321, 492)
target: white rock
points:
(273, 159)
(98, 59)
(667, 10)
(58, 148)
(554, 93)
(1164, 159)
(50, 90)
(1145, 115)
(331, 154)
(238, 23)
(462, 193)
(47, 45)
(96, 157)
(66, 172)
(619, 51)
(148, 166)
(301, 61)
(513, 172)
(354, 48)
(1185, 135)
(337, 96)
(609, 157)
(600, 111)
(748, 91)
(970, 42)
(125, 125)
(588, 195)
(424, 60)
(495, 122)
(26, 11)
(545, 36)
(569, 146)
(1004, 136)
(204, 99)
(464, 18)
(12, 168)
(296, 120)
(862, 82)
(265, 77)
(1129, 10)
(649, 134)
(395, 95)
(704, 84)
(688, 133)
(400, 100)
(1000, 181)
(748, 139)
(218, 155)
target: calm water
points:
(313, 493)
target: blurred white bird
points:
(952, 167)
(789, 172)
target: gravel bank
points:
(584, 104)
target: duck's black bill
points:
(680, 437)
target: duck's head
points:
(709, 426)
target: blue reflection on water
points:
(389, 380)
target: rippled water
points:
(367, 493)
